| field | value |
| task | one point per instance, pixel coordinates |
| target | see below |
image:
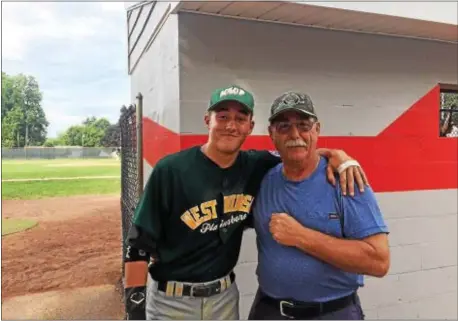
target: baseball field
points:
(61, 239)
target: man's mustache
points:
(296, 143)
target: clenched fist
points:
(285, 229)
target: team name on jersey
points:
(206, 211)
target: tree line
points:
(24, 121)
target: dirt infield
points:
(92, 303)
(77, 244)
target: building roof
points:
(379, 18)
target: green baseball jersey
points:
(194, 212)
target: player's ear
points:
(318, 127)
(252, 123)
(269, 128)
(207, 120)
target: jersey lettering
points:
(237, 203)
(198, 215)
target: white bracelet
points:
(347, 164)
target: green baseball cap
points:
(232, 93)
(291, 100)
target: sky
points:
(76, 51)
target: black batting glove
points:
(135, 303)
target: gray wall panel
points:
(380, 76)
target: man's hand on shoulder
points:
(348, 170)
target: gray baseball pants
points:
(222, 306)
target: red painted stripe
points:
(408, 155)
(158, 141)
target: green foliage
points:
(23, 119)
(449, 99)
(73, 136)
(112, 136)
(52, 142)
(93, 132)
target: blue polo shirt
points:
(287, 272)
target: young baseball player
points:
(191, 217)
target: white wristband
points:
(347, 164)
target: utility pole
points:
(26, 143)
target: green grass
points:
(10, 226)
(33, 169)
(59, 168)
(45, 189)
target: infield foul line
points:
(57, 178)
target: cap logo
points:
(232, 91)
(293, 99)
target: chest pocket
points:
(331, 221)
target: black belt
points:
(198, 289)
(305, 310)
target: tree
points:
(73, 136)
(35, 119)
(52, 142)
(91, 133)
(112, 136)
(7, 94)
(12, 127)
(23, 119)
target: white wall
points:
(381, 77)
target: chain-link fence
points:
(38, 152)
(131, 167)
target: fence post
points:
(139, 121)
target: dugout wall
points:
(378, 97)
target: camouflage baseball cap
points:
(232, 93)
(292, 101)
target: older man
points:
(314, 245)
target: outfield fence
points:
(60, 152)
